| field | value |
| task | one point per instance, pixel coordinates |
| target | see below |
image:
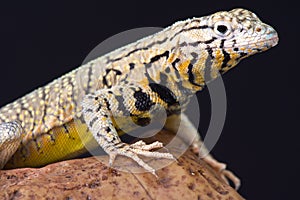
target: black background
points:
(260, 142)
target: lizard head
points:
(227, 38)
(239, 33)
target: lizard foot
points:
(220, 168)
(139, 148)
(226, 175)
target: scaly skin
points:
(164, 69)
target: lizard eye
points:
(222, 29)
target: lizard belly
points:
(63, 142)
(60, 143)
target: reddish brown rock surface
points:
(88, 178)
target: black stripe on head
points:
(226, 58)
(222, 43)
(208, 41)
(195, 44)
(210, 52)
(195, 28)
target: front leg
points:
(101, 108)
(183, 127)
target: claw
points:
(226, 174)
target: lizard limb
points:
(168, 66)
(97, 112)
(183, 127)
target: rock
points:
(88, 178)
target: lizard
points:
(54, 122)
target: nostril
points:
(258, 29)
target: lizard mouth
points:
(272, 41)
(266, 42)
(261, 44)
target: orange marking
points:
(171, 58)
(183, 66)
(219, 57)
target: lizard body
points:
(163, 69)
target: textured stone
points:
(88, 178)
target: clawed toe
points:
(220, 168)
(228, 175)
(141, 148)
(147, 147)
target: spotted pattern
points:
(159, 71)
